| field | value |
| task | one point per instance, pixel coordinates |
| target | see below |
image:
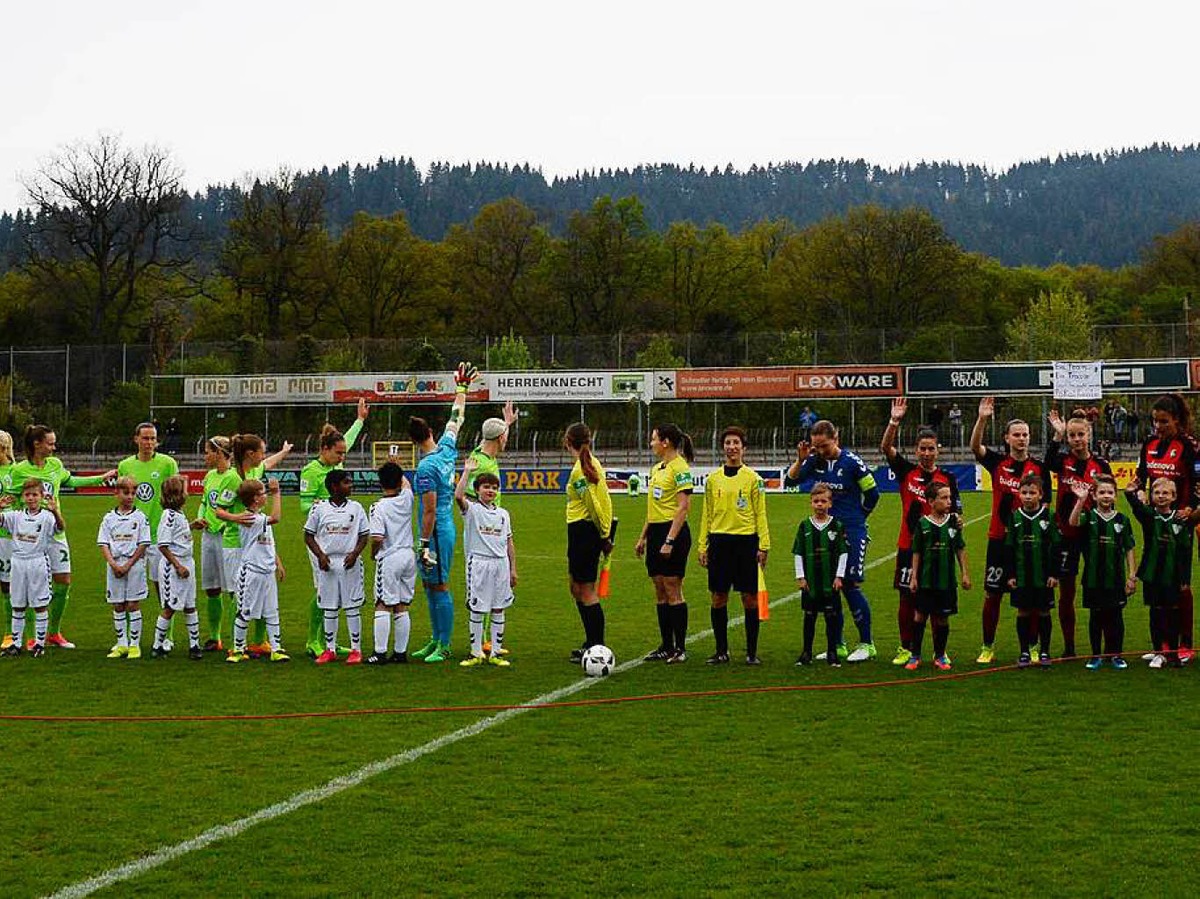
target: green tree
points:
(707, 272)
(511, 354)
(1057, 325)
(659, 352)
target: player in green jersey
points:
(149, 468)
(1031, 566)
(1106, 543)
(334, 445)
(821, 554)
(937, 542)
(220, 490)
(6, 464)
(40, 462)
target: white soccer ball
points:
(598, 661)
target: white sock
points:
(383, 624)
(121, 626)
(331, 629)
(135, 628)
(192, 619)
(18, 626)
(354, 626)
(273, 633)
(401, 627)
(160, 630)
(240, 624)
(41, 620)
(497, 631)
(475, 624)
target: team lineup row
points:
(1030, 551)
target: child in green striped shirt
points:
(937, 544)
(1031, 562)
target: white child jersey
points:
(258, 544)
(175, 533)
(123, 533)
(392, 519)
(486, 531)
(337, 528)
(32, 532)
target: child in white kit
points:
(123, 538)
(32, 530)
(257, 593)
(395, 564)
(336, 534)
(491, 562)
(176, 570)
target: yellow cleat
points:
(234, 657)
(133, 652)
(499, 662)
(472, 661)
(6, 642)
(118, 652)
(987, 655)
(280, 656)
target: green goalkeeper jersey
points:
(149, 477)
(484, 464)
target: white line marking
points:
(167, 854)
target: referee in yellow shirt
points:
(589, 532)
(734, 542)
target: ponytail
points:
(6, 448)
(681, 441)
(579, 438)
(241, 444)
(34, 434)
(330, 436)
(1175, 406)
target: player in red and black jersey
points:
(1075, 468)
(912, 479)
(1007, 470)
(1172, 452)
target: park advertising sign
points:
(778, 383)
(984, 378)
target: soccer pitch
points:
(1005, 782)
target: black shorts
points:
(674, 565)
(1068, 558)
(994, 580)
(733, 563)
(583, 551)
(1159, 596)
(829, 604)
(902, 580)
(1037, 599)
(1096, 598)
(942, 603)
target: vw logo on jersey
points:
(212, 497)
(144, 492)
(48, 488)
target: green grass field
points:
(1014, 782)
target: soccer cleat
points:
(472, 661)
(1158, 660)
(235, 657)
(1119, 663)
(842, 654)
(355, 657)
(441, 654)
(502, 651)
(1024, 660)
(60, 641)
(213, 645)
(134, 652)
(987, 655)
(677, 657)
(717, 658)
(38, 650)
(313, 649)
(1148, 656)
(576, 656)
(158, 652)
(1095, 663)
(196, 654)
(326, 657)
(1044, 659)
(1186, 654)
(942, 663)
(279, 655)
(258, 650)
(804, 659)
(12, 650)
(118, 652)
(499, 662)
(6, 642)
(398, 658)
(862, 652)
(30, 643)
(902, 656)
(425, 650)
(168, 645)
(376, 658)
(913, 663)
(661, 654)
(835, 664)
(753, 660)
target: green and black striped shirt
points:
(1104, 543)
(1031, 548)
(820, 548)
(938, 546)
(1166, 546)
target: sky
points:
(234, 89)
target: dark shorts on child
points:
(1159, 596)
(809, 603)
(1039, 599)
(733, 563)
(1095, 598)
(941, 603)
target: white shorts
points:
(339, 588)
(257, 593)
(5, 558)
(60, 557)
(131, 588)
(30, 582)
(396, 578)
(153, 557)
(177, 593)
(231, 563)
(488, 584)
(212, 561)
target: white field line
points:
(167, 854)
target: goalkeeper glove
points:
(428, 556)
(465, 374)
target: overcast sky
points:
(233, 88)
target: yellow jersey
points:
(588, 501)
(735, 504)
(667, 480)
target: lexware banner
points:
(778, 383)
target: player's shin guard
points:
(593, 624)
(720, 625)
(860, 611)
(1045, 628)
(1024, 636)
(401, 629)
(752, 626)
(446, 607)
(991, 619)
(240, 626)
(272, 625)
(810, 631)
(904, 618)
(191, 618)
(1066, 614)
(330, 621)
(354, 626)
(498, 618)
(383, 626)
(214, 610)
(17, 617)
(59, 595)
(941, 638)
(1096, 630)
(475, 628)
(918, 638)
(41, 620)
(664, 625)
(833, 637)
(120, 625)
(679, 625)
(160, 630)
(316, 623)
(135, 628)
(1186, 611)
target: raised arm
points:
(273, 460)
(460, 489)
(463, 376)
(887, 445)
(987, 408)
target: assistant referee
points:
(734, 542)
